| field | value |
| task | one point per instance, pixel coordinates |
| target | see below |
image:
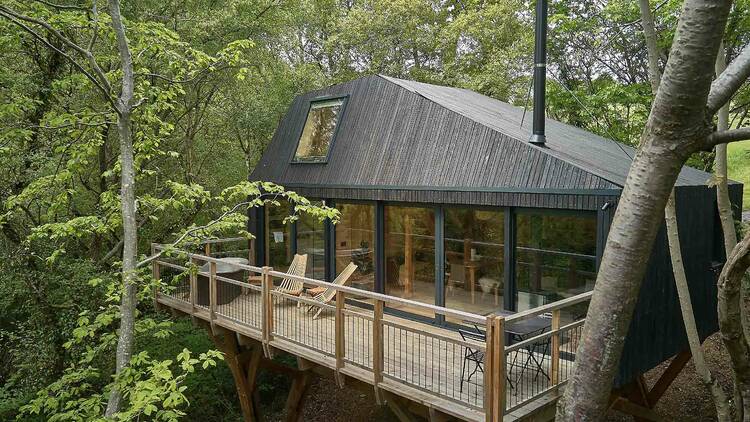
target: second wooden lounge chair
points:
(289, 285)
(329, 293)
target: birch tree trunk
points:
(732, 333)
(124, 106)
(720, 169)
(673, 236)
(677, 126)
(721, 403)
(724, 205)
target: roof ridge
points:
(545, 150)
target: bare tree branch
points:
(86, 53)
(727, 136)
(729, 81)
(61, 6)
(12, 17)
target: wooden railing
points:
(356, 336)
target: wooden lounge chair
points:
(329, 293)
(289, 285)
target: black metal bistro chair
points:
(473, 357)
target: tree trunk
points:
(677, 127)
(720, 170)
(724, 205)
(732, 333)
(688, 317)
(673, 235)
(127, 192)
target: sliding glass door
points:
(278, 236)
(474, 249)
(555, 256)
(355, 242)
(410, 255)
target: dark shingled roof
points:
(412, 135)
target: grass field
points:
(738, 158)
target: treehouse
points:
(457, 280)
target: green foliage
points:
(213, 79)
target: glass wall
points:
(311, 241)
(355, 242)
(555, 256)
(474, 242)
(410, 254)
(278, 234)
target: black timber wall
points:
(657, 331)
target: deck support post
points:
(156, 276)
(296, 398)
(193, 285)
(339, 338)
(494, 369)
(212, 292)
(638, 400)
(244, 365)
(377, 350)
(555, 352)
(267, 310)
(399, 408)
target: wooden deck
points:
(421, 362)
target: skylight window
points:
(319, 131)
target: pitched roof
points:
(600, 156)
(399, 134)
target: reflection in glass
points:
(318, 131)
(474, 241)
(410, 254)
(278, 247)
(556, 257)
(355, 242)
(311, 241)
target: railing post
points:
(267, 308)
(155, 275)
(340, 339)
(377, 349)
(193, 284)
(207, 249)
(555, 354)
(494, 369)
(212, 292)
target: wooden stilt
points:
(637, 400)
(399, 408)
(666, 379)
(295, 399)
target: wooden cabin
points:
(459, 225)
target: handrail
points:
(564, 303)
(467, 316)
(496, 352)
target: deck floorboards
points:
(425, 359)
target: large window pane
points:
(311, 241)
(556, 257)
(410, 254)
(474, 241)
(355, 242)
(318, 132)
(278, 247)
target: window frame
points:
(344, 100)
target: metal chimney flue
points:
(540, 72)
